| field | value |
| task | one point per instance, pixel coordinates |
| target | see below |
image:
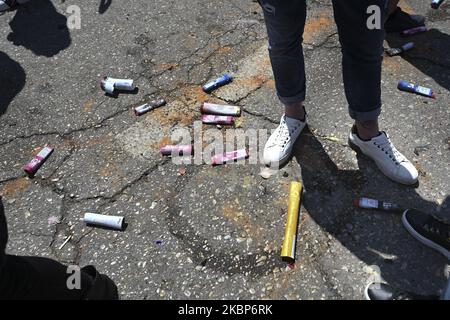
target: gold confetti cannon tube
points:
(290, 235)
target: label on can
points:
(408, 46)
(176, 150)
(44, 153)
(425, 91)
(124, 84)
(38, 160)
(213, 119)
(149, 106)
(115, 222)
(221, 109)
(229, 156)
(368, 203)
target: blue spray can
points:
(409, 87)
(396, 51)
(435, 4)
(223, 80)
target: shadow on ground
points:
(39, 27)
(430, 54)
(329, 192)
(12, 81)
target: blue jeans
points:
(362, 51)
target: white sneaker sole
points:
(366, 292)
(280, 162)
(422, 239)
(357, 149)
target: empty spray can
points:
(409, 87)
(367, 203)
(229, 156)
(290, 235)
(223, 80)
(435, 4)
(396, 51)
(114, 222)
(149, 106)
(33, 166)
(178, 150)
(219, 109)
(412, 31)
(109, 84)
(213, 119)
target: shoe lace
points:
(403, 295)
(389, 149)
(438, 228)
(284, 133)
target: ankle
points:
(295, 111)
(367, 130)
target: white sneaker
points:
(279, 145)
(388, 159)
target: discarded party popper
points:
(435, 4)
(109, 85)
(219, 109)
(33, 166)
(367, 203)
(412, 31)
(213, 119)
(213, 85)
(177, 150)
(149, 106)
(229, 156)
(396, 51)
(290, 235)
(113, 222)
(409, 87)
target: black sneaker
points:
(384, 292)
(399, 21)
(428, 230)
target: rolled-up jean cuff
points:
(366, 115)
(292, 100)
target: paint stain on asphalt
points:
(316, 26)
(87, 106)
(15, 187)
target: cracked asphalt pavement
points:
(197, 231)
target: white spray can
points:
(109, 84)
(114, 222)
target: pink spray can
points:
(213, 119)
(177, 150)
(33, 166)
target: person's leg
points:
(393, 4)
(362, 50)
(42, 278)
(285, 22)
(39, 278)
(399, 20)
(35, 278)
